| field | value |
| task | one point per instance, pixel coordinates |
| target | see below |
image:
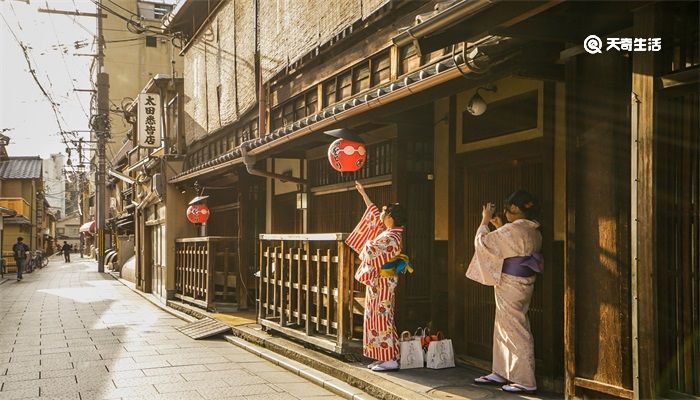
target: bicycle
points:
(37, 259)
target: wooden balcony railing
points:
(18, 204)
(307, 288)
(206, 271)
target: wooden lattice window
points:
(276, 116)
(360, 78)
(329, 93)
(299, 107)
(287, 113)
(311, 102)
(344, 86)
(381, 69)
(408, 59)
(253, 128)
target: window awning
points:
(88, 227)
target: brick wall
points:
(289, 29)
(220, 71)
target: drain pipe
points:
(249, 161)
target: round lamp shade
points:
(198, 213)
(347, 155)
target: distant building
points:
(131, 65)
(68, 230)
(55, 182)
(22, 182)
(72, 196)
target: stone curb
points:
(334, 385)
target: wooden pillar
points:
(456, 243)
(569, 273)
(647, 23)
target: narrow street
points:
(68, 332)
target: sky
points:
(53, 41)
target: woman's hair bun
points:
(398, 213)
(526, 202)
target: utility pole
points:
(102, 133)
(101, 129)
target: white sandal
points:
(516, 388)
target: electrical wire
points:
(27, 56)
(32, 72)
(65, 64)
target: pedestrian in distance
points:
(20, 251)
(66, 248)
(377, 239)
(508, 259)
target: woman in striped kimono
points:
(377, 239)
(508, 259)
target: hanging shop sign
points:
(149, 120)
(198, 213)
(347, 155)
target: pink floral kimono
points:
(513, 345)
(377, 246)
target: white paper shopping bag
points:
(411, 351)
(441, 354)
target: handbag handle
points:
(419, 332)
(405, 336)
(440, 335)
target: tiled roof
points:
(20, 168)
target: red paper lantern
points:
(198, 213)
(347, 155)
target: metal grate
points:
(204, 328)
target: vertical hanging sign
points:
(149, 120)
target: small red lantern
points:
(198, 213)
(347, 155)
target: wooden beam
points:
(686, 77)
(456, 267)
(647, 23)
(570, 248)
(500, 15)
(604, 388)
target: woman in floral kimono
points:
(508, 259)
(377, 239)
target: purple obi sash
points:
(524, 266)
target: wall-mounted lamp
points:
(302, 201)
(477, 104)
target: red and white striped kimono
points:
(376, 247)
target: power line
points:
(27, 55)
(65, 64)
(32, 72)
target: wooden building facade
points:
(608, 142)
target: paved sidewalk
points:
(68, 332)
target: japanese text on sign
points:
(149, 120)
